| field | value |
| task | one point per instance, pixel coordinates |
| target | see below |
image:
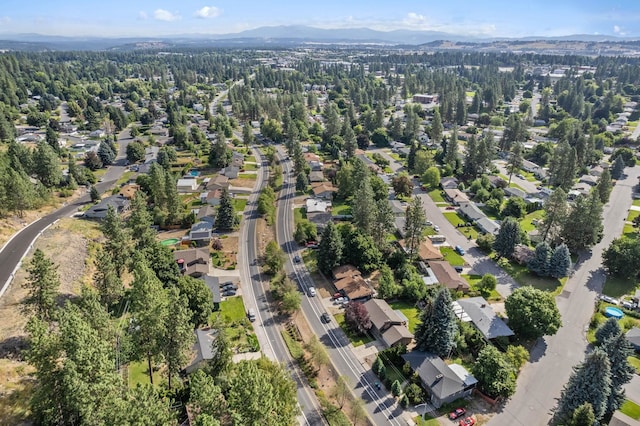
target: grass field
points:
(231, 309)
(455, 219)
(340, 208)
(354, 339)
(299, 214)
(428, 421)
(618, 287)
(526, 224)
(251, 176)
(635, 363)
(239, 204)
(451, 256)
(250, 167)
(436, 196)
(521, 274)
(250, 158)
(631, 409)
(409, 310)
(473, 281)
(139, 374)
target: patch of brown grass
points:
(16, 388)
(245, 183)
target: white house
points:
(187, 185)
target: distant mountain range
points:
(286, 35)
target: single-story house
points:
(201, 233)
(129, 191)
(447, 276)
(212, 197)
(473, 213)
(230, 172)
(589, 180)
(237, 159)
(310, 156)
(449, 183)
(497, 181)
(218, 182)
(316, 176)
(204, 348)
(398, 208)
(344, 271)
(456, 197)
(386, 324)
(100, 133)
(514, 192)
(530, 166)
(323, 190)
(187, 185)
(488, 226)
(596, 171)
(206, 214)
(368, 161)
(315, 205)
(484, 318)
(320, 219)
(193, 262)
(99, 211)
(444, 382)
(349, 281)
(633, 336)
(426, 250)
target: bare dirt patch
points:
(244, 183)
(265, 234)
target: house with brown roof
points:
(212, 197)
(129, 191)
(218, 182)
(349, 281)
(316, 176)
(426, 250)
(455, 196)
(447, 276)
(386, 324)
(323, 190)
(345, 271)
(193, 262)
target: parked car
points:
(325, 318)
(428, 223)
(339, 300)
(458, 412)
(312, 291)
(609, 299)
(459, 250)
(297, 259)
(469, 421)
(228, 293)
(251, 314)
(230, 287)
(450, 207)
(519, 176)
(336, 295)
(458, 268)
(436, 228)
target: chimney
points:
(439, 377)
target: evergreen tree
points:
(382, 222)
(199, 299)
(106, 154)
(362, 207)
(414, 225)
(330, 249)
(604, 186)
(42, 287)
(583, 416)
(515, 160)
(539, 264)
(451, 153)
(556, 211)
(220, 154)
(350, 143)
(47, 165)
(226, 219)
(583, 227)
(618, 168)
(618, 350)
(437, 329)
(302, 181)
(106, 279)
(17, 193)
(562, 169)
(247, 134)
(607, 330)
(470, 167)
(94, 194)
(118, 244)
(560, 262)
(508, 237)
(140, 222)
(436, 127)
(51, 137)
(173, 201)
(179, 337)
(590, 382)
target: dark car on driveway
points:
(228, 293)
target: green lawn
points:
(436, 196)
(428, 421)
(250, 158)
(521, 274)
(299, 214)
(232, 309)
(125, 178)
(340, 208)
(354, 339)
(636, 203)
(409, 310)
(631, 409)
(252, 176)
(451, 256)
(239, 204)
(635, 363)
(455, 219)
(250, 167)
(618, 287)
(139, 374)
(526, 224)
(473, 281)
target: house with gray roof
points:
(99, 211)
(204, 348)
(514, 192)
(201, 232)
(633, 336)
(444, 383)
(484, 318)
(473, 213)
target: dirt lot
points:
(245, 183)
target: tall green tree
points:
(539, 263)
(382, 222)
(514, 164)
(106, 154)
(140, 222)
(205, 397)
(362, 207)
(560, 262)
(274, 257)
(495, 373)
(106, 279)
(199, 299)
(437, 329)
(47, 165)
(622, 257)
(174, 203)
(415, 224)
(618, 168)
(226, 219)
(583, 227)
(532, 313)
(583, 416)
(149, 309)
(556, 211)
(451, 151)
(508, 237)
(118, 244)
(220, 154)
(179, 337)
(562, 169)
(618, 350)
(42, 287)
(17, 193)
(604, 186)
(330, 249)
(247, 134)
(590, 382)
(436, 127)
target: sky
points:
(489, 18)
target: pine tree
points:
(106, 154)
(604, 186)
(179, 337)
(350, 143)
(618, 349)
(436, 127)
(106, 279)
(382, 222)
(560, 262)
(226, 219)
(140, 222)
(451, 153)
(414, 225)
(583, 416)
(556, 210)
(362, 207)
(330, 249)
(47, 165)
(618, 168)
(302, 181)
(42, 287)
(607, 330)
(118, 244)
(437, 329)
(508, 237)
(583, 227)
(515, 160)
(562, 168)
(590, 382)
(539, 264)
(19, 193)
(174, 203)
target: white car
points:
(436, 228)
(312, 291)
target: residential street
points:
(16, 248)
(542, 379)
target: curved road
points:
(18, 246)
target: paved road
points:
(542, 379)
(529, 187)
(267, 329)
(16, 248)
(380, 404)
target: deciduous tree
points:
(356, 317)
(532, 313)
(495, 373)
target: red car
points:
(469, 421)
(458, 412)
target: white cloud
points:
(415, 20)
(142, 15)
(208, 12)
(165, 15)
(618, 30)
